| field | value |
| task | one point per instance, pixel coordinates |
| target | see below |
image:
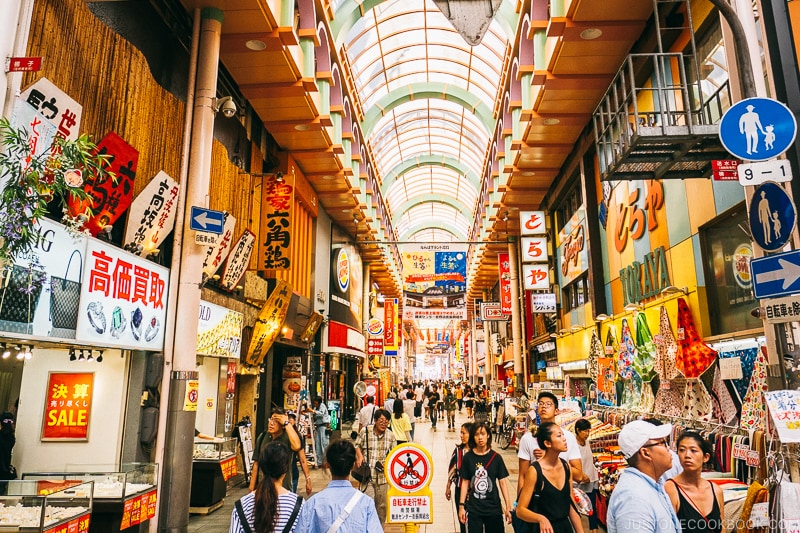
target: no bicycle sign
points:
(409, 470)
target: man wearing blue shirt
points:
(339, 504)
(639, 503)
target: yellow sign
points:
(190, 400)
(269, 322)
(409, 471)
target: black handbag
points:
(17, 303)
(65, 295)
(363, 472)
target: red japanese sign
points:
(68, 404)
(138, 509)
(230, 383)
(79, 524)
(374, 346)
(44, 487)
(108, 200)
(389, 326)
(277, 208)
(25, 64)
(228, 467)
(505, 282)
(725, 169)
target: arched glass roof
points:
(430, 97)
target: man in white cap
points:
(639, 502)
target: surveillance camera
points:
(226, 105)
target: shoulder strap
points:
(290, 524)
(494, 454)
(539, 477)
(351, 504)
(242, 518)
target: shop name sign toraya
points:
(641, 280)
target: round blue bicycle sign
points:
(757, 129)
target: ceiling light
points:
(91, 357)
(551, 121)
(563, 331)
(632, 307)
(575, 328)
(81, 357)
(328, 177)
(255, 45)
(72, 356)
(591, 33)
(302, 127)
(554, 335)
(20, 354)
(99, 356)
(672, 289)
(528, 173)
(28, 353)
(6, 351)
(601, 317)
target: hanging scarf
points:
(666, 348)
(595, 353)
(644, 358)
(754, 415)
(695, 356)
(669, 399)
(697, 401)
(724, 406)
(627, 352)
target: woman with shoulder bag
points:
(549, 480)
(271, 508)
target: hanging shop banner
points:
(532, 223)
(605, 381)
(39, 293)
(238, 260)
(292, 373)
(573, 255)
(434, 281)
(277, 204)
(346, 282)
(230, 382)
(390, 322)
(535, 277)
(61, 111)
(543, 302)
(218, 252)
(151, 216)
(219, 331)
(504, 264)
(269, 322)
(123, 299)
(108, 198)
(533, 249)
(68, 406)
(784, 409)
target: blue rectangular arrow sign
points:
(776, 275)
(207, 220)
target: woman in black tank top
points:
(546, 497)
(697, 502)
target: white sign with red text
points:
(123, 299)
(238, 260)
(533, 249)
(151, 216)
(218, 252)
(532, 223)
(536, 277)
(56, 106)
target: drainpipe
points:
(179, 435)
(365, 309)
(744, 66)
(491, 358)
(516, 314)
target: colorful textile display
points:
(595, 353)
(669, 399)
(695, 356)
(644, 358)
(626, 353)
(666, 348)
(754, 415)
(724, 406)
(697, 401)
(748, 360)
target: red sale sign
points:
(68, 404)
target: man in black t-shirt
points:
(433, 400)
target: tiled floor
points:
(439, 444)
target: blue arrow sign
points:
(757, 129)
(772, 216)
(776, 275)
(207, 220)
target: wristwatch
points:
(286, 423)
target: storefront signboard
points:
(532, 223)
(573, 255)
(434, 281)
(390, 322)
(25, 64)
(219, 331)
(151, 216)
(228, 467)
(269, 322)
(642, 280)
(68, 406)
(277, 216)
(79, 524)
(238, 260)
(63, 113)
(374, 346)
(543, 302)
(292, 382)
(139, 508)
(346, 281)
(123, 299)
(108, 198)
(784, 409)
(218, 252)
(535, 277)
(504, 267)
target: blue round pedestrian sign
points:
(772, 216)
(757, 129)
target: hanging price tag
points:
(740, 451)
(731, 368)
(759, 515)
(753, 459)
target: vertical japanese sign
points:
(108, 198)
(390, 326)
(275, 239)
(434, 281)
(123, 299)
(504, 264)
(230, 383)
(39, 130)
(533, 249)
(151, 216)
(216, 254)
(269, 322)
(535, 277)
(57, 107)
(532, 223)
(68, 406)
(784, 409)
(238, 260)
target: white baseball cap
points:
(635, 434)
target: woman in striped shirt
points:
(271, 508)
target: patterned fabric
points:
(754, 415)
(697, 401)
(595, 353)
(669, 399)
(695, 356)
(724, 407)
(378, 449)
(666, 348)
(647, 400)
(748, 359)
(627, 352)
(644, 358)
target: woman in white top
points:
(270, 508)
(589, 484)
